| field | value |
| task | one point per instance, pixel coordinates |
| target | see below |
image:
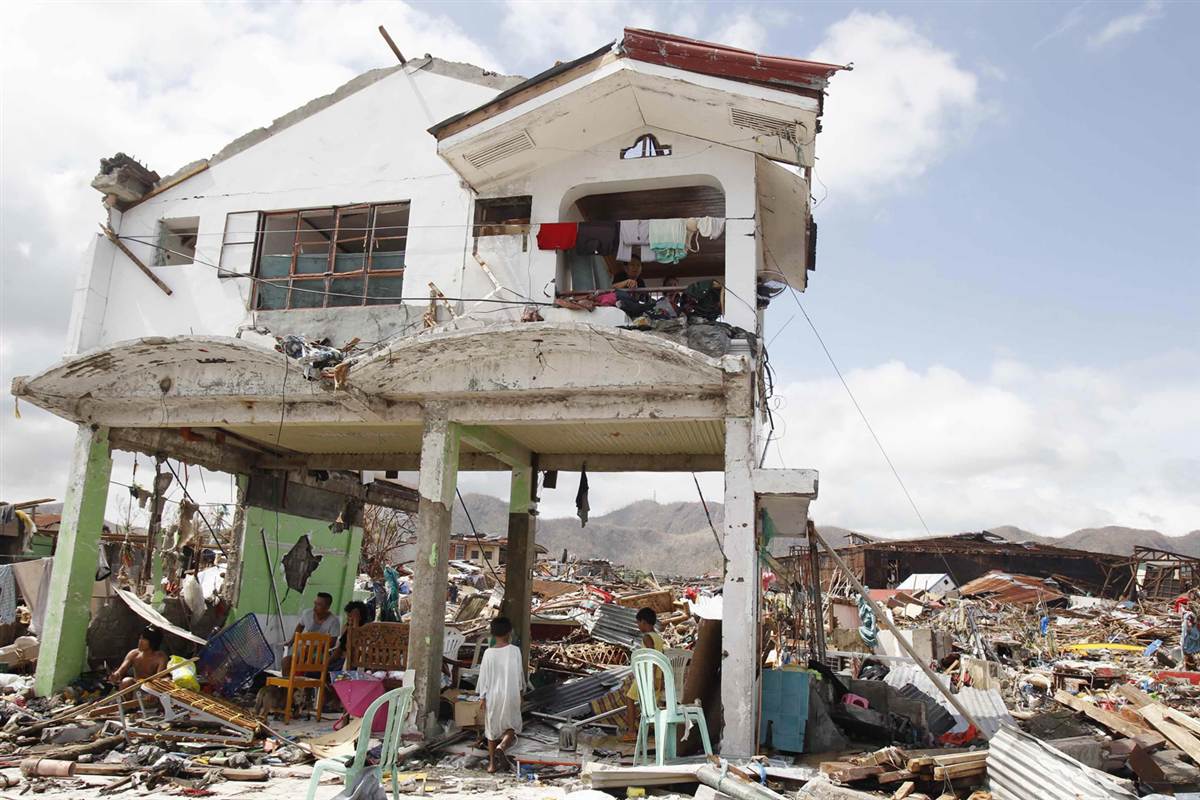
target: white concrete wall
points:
(373, 147)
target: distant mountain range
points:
(675, 538)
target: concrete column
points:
(741, 270)
(69, 601)
(518, 578)
(439, 475)
(739, 628)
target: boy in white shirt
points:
(501, 681)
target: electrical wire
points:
(708, 516)
(478, 538)
(188, 495)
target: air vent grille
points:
(772, 126)
(501, 150)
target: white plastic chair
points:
(665, 718)
(680, 659)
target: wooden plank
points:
(1175, 733)
(112, 237)
(896, 776)
(904, 791)
(1106, 718)
(1136, 697)
(959, 771)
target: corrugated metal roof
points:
(568, 696)
(1022, 768)
(616, 625)
(937, 718)
(985, 705)
(1004, 587)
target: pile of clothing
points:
(664, 241)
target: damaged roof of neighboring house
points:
(1011, 589)
(981, 543)
(451, 69)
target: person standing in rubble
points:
(647, 620)
(143, 661)
(1189, 637)
(501, 681)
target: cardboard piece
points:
(468, 708)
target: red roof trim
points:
(722, 61)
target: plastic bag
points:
(183, 673)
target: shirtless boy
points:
(143, 661)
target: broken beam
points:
(112, 237)
(170, 444)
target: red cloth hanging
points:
(557, 235)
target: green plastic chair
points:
(645, 663)
(398, 701)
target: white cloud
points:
(1069, 22)
(1050, 450)
(905, 104)
(1126, 25)
(745, 30)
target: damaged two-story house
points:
(419, 209)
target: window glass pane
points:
(272, 295)
(274, 266)
(353, 225)
(313, 240)
(385, 289)
(279, 234)
(311, 294)
(380, 261)
(391, 229)
(349, 262)
(346, 286)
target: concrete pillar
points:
(518, 578)
(741, 260)
(739, 628)
(69, 601)
(439, 475)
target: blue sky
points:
(1008, 203)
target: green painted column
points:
(64, 634)
(518, 577)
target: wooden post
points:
(112, 237)
(69, 599)
(887, 623)
(439, 476)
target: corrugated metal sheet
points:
(937, 718)
(616, 625)
(986, 705)
(563, 698)
(1003, 587)
(1022, 768)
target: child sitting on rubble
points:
(501, 681)
(144, 660)
(652, 639)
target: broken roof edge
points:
(458, 70)
(678, 52)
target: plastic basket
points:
(234, 656)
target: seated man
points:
(143, 661)
(317, 619)
(635, 304)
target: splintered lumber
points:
(845, 772)
(924, 762)
(1176, 734)
(1106, 718)
(966, 770)
(896, 776)
(904, 790)
(1136, 697)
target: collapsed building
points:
(414, 273)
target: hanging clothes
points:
(708, 227)
(668, 240)
(25, 524)
(581, 498)
(557, 235)
(7, 512)
(635, 233)
(597, 238)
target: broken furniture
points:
(377, 646)
(234, 656)
(645, 663)
(397, 702)
(179, 703)
(310, 653)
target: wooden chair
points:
(310, 653)
(378, 646)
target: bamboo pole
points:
(887, 623)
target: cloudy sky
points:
(1008, 199)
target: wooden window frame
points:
(325, 280)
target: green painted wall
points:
(336, 573)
